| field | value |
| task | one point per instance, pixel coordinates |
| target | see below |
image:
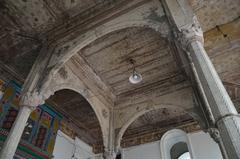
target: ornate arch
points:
(136, 116)
(96, 106)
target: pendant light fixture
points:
(135, 77)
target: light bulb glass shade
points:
(135, 78)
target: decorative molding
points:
(214, 133)
(32, 99)
(105, 113)
(191, 32)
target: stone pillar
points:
(223, 110)
(109, 154)
(28, 103)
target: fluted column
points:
(28, 103)
(223, 110)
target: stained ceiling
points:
(24, 23)
(211, 13)
(109, 57)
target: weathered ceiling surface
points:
(225, 51)
(110, 56)
(24, 23)
(152, 125)
(223, 47)
(77, 110)
(211, 13)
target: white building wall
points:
(146, 151)
(203, 147)
(67, 148)
(64, 147)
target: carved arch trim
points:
(136, 116)
(104, 124)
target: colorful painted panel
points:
(36, 114)
(46, 119)
(41, 127)
(9, 118)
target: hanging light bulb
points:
(135, 76)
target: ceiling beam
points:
(88, 76)
(95, 18)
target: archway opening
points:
(185, 155)
(79, 119)
(150, 126)
(180, 151)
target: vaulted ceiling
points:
(110, 55)
(24, 23)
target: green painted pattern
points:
(24, 149)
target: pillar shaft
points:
(14, 136)
(216, 94)
(223, 110)
(29, 101)
(189, 32)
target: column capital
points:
(31, 99)
(108, 154)
(215, 134)
(191, 32)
